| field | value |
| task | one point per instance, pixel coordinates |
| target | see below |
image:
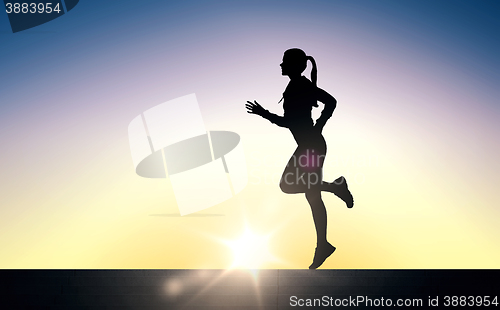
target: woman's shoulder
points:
(303, 82)
(299, 85)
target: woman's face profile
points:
(285, 66)
(291, 65)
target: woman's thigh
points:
(304, 170)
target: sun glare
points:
(250, 251)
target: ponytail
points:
(314, 75)
(314, 71)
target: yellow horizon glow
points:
(250, 250)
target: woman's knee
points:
(289, 185)
(287, 182)
(288, 188)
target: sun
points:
(250, 250)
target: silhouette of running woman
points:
(303, 173)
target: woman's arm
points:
(330, 104)
(255, 108)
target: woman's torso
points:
(299, 98)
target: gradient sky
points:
(415, 132)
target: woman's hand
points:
(255, 108)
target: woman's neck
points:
(294, 76)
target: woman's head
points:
(294, 62)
